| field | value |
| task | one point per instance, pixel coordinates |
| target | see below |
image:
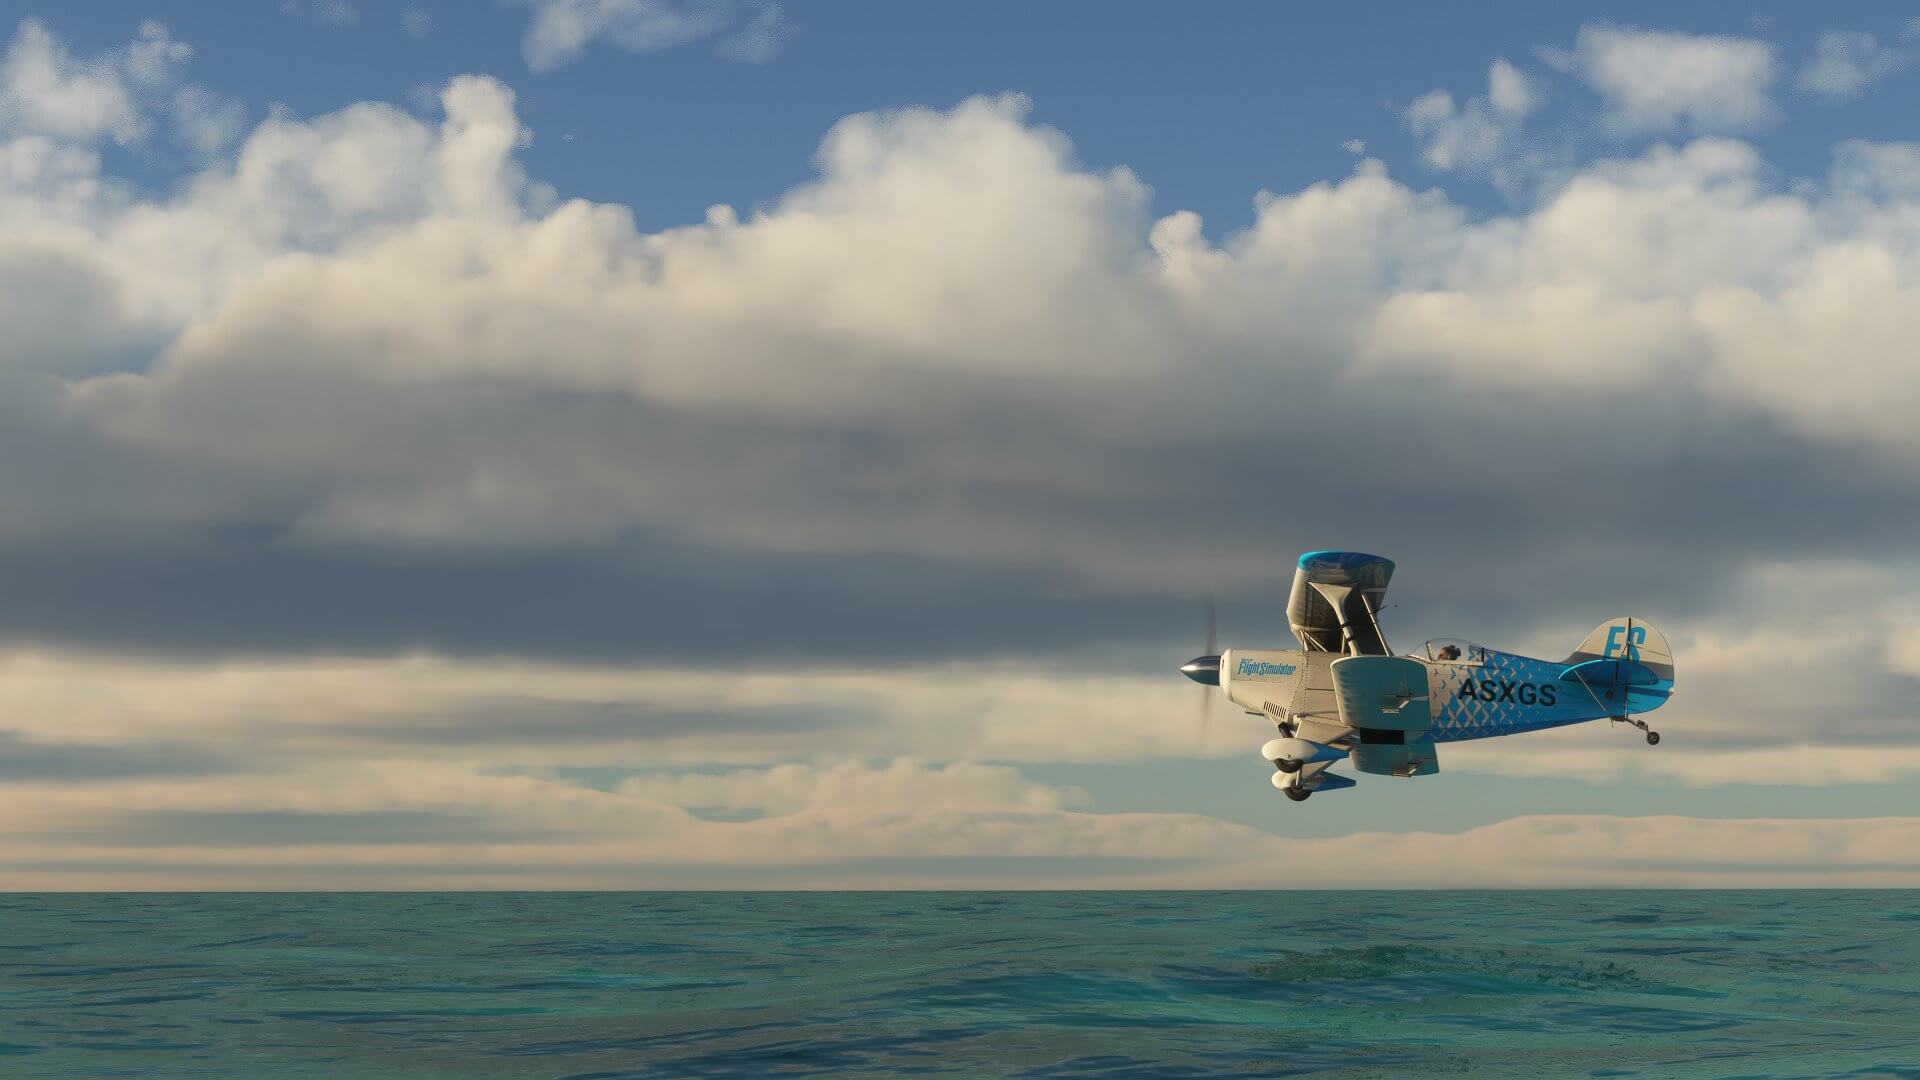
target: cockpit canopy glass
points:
(1455, 651)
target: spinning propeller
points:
(1205, 670)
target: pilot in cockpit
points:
(1449, 652)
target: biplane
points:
(1343, 696)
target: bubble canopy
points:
(1453, 651)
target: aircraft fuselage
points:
(1493, 693)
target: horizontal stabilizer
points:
(1627, 638)
(1611, 673)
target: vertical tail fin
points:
(1627, 638)
(1640, 649)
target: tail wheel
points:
(1653, 738)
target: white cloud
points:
(1510, 91)
(758, 41)
(1486, 134)
(318, 744)
(46, 90)
(1655, 81)
(1844, 63)
(556, 714)
(900, 783)
(1686, 265)
(562, 29)
(521, 831)
(939, 257)
(205, 122)
(1601, 754)
(1903, 651)
(1833, 709)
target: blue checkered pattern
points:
(1458, 717)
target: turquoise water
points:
(1670, 984)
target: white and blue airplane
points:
(1344, 696)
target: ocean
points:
(1106, 984)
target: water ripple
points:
(1116, 985)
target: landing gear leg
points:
(1653, 737)
(1286, 729)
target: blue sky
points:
(409, 479)
(1209, 103)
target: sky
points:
(735, 444)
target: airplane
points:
(1345, 696)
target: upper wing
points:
(1335, 597)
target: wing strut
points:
(1336, 597)
(1374, 618)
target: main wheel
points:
(1297, 794)
(1653, 738)
(1287, 766)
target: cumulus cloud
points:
(939, 251)
(945, 267)
(1844, 63)
(562, 29)
(1769, 274)
(1655, 81)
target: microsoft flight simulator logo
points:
(1262, 667)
